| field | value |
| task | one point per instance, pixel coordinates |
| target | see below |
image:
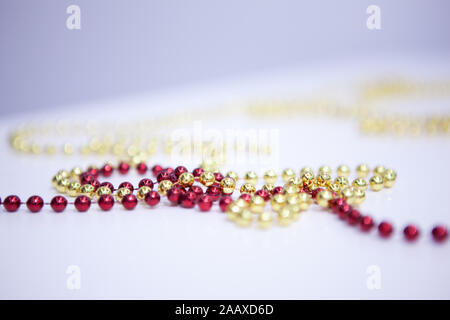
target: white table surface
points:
(186, 254)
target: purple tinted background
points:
(131, 46)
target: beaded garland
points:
(202, 188)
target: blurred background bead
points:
(227, 185)
(325, 170)
(348, 194)
(362, 170)
(341, 181)
(323, 198)
(233, 210)
(304, 200)
(164, 186)
(376, 183)
(360, 183)
(285, 216)
(207, 178)
(186, 179)
(287, 174)
(265, 220)
(242, 203)
(379, 170)
(297, 181)
(248, 188)
(290, 188)
(343, 170)
(359, 196)
(278, 201)
(389, 178)
(121, 192)
(268, 187)
(76, 172)
(305, 170)
(232, 175)
(270, 177)
(251, 177)
(257, 204)
(244, 218)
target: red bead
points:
(316, 192)
(188, 200)
(35, 203)
(126, 185)
(214, 192)
(205, 202)
(175, 193)
(173, 177)
(246, 196)
(141, 168)
(107, 184)
(385, 229)
(179, 170)
(277, 190)
(169, 170)
(439, 233)
(197, 190)
(95, 183)
(411, 232)
(218, 176)
(344, 210)
(353, 217)
(263, 194)
(58, 203)
(106, 202)
(366, 223)
(156, 169)
(152, 198)
(86, 178)
(82, 203)
(94, 172)
(11, 203)
(129, 201)
(336, 203)
(163, 175)
(225, 202)
(124, 167)
(107, 170)
(197, 172)
(146, 182)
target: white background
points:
(185, 254)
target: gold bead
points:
(305, 170)
(73, 189)
(244, 218)
(233, 175)
(323, 198)
(341, 181)
(251, 177)
(257, 204)
(142, 192)
(362, 170)
(62, 185)
(360, 196)
(325, 170)
(87, 190)
(75, 172)
(360, 183)
(278, 201)
(207, 178)
(63, 174)
(164, 186)
(290, 188)
(122, 192)
(265, 220)
(343, 170)
(323, 180)
(287, 174)
(292, 199)
(103, 190)
(270, 177)
(57, 178)
(379, 170)
(348, 194)
(268, 187)
(186, 179)
(296, 181)
(285, 216)
(334, 187)
(227, 185)
(248, 188)
(389, 178)
(376, 183)
(307, 176)
(241, 203)
(233, 210)
(304, 200)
